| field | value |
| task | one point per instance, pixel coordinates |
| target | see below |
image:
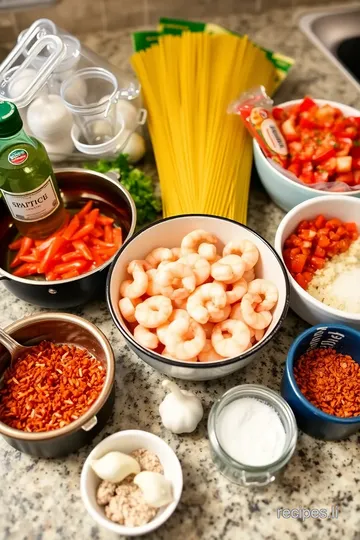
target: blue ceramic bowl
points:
(310, 419)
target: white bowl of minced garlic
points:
(131, 482)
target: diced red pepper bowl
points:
(287, 193)
(78, 187)
(311, 310)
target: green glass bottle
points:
(27, 179)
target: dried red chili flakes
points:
(330, 381)
(49, 387)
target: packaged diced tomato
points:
(255, 109)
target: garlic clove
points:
(156, 489)
(115, 466)
(180, 411)
(135, 147)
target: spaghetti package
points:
(255, 109)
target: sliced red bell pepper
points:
(71, 228)
(78, 265)
(85, 209)
(93, 216)
(83, 249)
(71, 256)
(14, 246)
(85, 230)
(53, 250)
(101, 243)
(26, 245)
(70, 274)
(108, 234)
(117, 236)
(27, 269)
(104, 220)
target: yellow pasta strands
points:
(203, 154)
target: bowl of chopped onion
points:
(319, 242)
(323, 139)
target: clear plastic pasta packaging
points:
(255, 109)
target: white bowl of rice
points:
(333, 295)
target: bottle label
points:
(33, 205)
(18, 156)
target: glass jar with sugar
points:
(252, 434)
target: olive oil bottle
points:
(27, 180)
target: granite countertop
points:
(40, 499)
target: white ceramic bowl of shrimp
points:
(127, 442)
(168, 233)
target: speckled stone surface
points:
(40, 499)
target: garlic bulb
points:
(156, 489)
(180, 411)
(48, 118)
(115, 466)
(127, 112)
(21, 82)
(135, 147)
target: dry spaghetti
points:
(202, 153)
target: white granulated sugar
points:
(251, 432)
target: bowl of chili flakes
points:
(321, 381)
(56, 396)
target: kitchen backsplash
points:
(84, 16)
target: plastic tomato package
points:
(322, 145)
(255, 110)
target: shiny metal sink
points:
(336, 32)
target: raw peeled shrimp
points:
(208, 354)
(168, 355)
(256, 335)
(207, 251)
(176, 253)
(154, 311)
(158, 255)
(249, 275)
(256, 320)
(145, 337)
(228, 269)
(208, 296)
(185, 340)
(137, 287)
(127, 308)
(167, 276)
(153, 288)
(236, 291)
(219, 315)
(230, 338)
(246, 249)
(266, 289)
(200, 266)
(162, 330)
(208, 327)
(191, 242)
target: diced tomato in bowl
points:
(317, 132)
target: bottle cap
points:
(10, 119)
